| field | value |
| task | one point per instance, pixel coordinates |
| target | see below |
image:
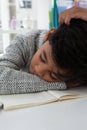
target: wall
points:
(42, 13)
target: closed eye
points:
(53, 76)
(42, 58)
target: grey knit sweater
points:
(14, 66)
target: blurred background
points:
(20, 16)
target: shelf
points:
(1, 54)
(11, 31)
(11, 4)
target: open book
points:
(16, 101)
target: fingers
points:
(64, 18)
(67, 20)
(68, 14)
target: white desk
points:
(65, 115)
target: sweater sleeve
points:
(12, 79)
(20, 50)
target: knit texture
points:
(14, 66)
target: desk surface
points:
(65, 115)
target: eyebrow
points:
(45, 56)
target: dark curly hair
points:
(69, 51)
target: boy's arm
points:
(13, 81)
(20, 51)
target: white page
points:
(24, 100)
(78, 91)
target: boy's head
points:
(69, 49)
(66, 52)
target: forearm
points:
(14, 82)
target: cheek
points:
(47, 77)
(35, 60)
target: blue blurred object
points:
(61, 8)
(64, 4)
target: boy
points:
(61, 58)
(17, 71)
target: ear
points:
(49, 33)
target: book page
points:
(26, 100)
(34, 99)
(72, 93)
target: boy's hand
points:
(74, 12)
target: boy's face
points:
(43, 65)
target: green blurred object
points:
(53, 15)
